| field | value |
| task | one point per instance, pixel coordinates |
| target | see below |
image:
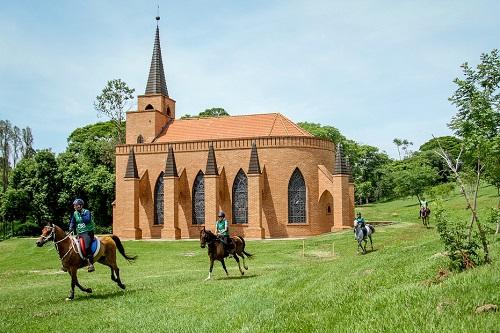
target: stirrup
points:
(91, 268)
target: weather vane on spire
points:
(158, 13)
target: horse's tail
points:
(372, 228)
(244, 252)
(120, 248)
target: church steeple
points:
(156, 80)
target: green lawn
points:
(392, 289)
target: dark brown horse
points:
(424, 215)
(71, 261)
(216, 250)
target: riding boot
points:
(91, 263)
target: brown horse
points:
(216, 250)
(424, 215)
(71, 261)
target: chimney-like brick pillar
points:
(171, 208)
(255, 186)
(211, 201)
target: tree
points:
(112, 102)
(398, 142)
(477, 124)
(412, 177)
(27, 146)
(5, 150)
(214, 112)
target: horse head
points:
(48, 233)
(203, 237)
(206, 236)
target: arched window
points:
(149, 107)
(297, 198)
(240, 198)
(199, 199)
(140, 139)
(159, 200)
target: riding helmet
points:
(221, 214)
(78, 202)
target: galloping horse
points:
(216, 250)
(424, 215)
(71, 261)
(360, 236)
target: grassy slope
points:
(282, 291)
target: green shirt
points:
(222, 227)
(80, 218)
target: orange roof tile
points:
(231, 127)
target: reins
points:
(53, 235)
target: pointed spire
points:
(211, 162)
(341, 166)
(351, 179)
(131, 171)
(170, 166)
(156, 80)
(254, 165)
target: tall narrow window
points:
(240, 198)
(159, 200)
(297, 198)
(140, 139)
(199, 199)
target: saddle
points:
(80, 247)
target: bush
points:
(26, 228)
(462, 252)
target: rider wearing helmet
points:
(359, 221)
(83, 223)
(423, 206)
(222, 231)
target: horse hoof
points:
(121, 286)
(68, 299)
(89, 290)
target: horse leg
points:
(371, 242)
(74, 282)
(224, 266)
(238, 261)
(244, 264)
(210, 271)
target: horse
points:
(360, 236)
(424, 215)
(71, 260)
(216, 250)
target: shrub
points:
(463, 252)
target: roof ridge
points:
(274, 122)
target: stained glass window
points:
(199, 199)
(297, 198)
(240, 198)
(159, 200)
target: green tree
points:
(38, 178)
(412, 177)
(112, 102)
(477, 124)
(214, 112)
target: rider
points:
(359, 221)
(423, 206)
(83, 223)
(222, 229)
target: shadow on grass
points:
(239, 277)
(89, 297)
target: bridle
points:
(53, 236)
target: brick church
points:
(272, 178)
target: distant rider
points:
(222, 231)
(83, 223)
(359, 221)
(423, 207)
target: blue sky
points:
(375, 70)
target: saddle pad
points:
(95, 247)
